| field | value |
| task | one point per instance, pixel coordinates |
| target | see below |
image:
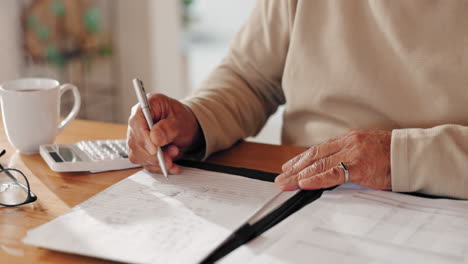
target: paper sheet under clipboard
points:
(146, 218)
(358, 225)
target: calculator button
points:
(104, 149)
(117, 147)
(107, 148)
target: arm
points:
(239, 96)
(431, 161)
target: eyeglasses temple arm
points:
(13, 178)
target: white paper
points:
(349, 225)
(149, 219)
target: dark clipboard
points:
(248, 232)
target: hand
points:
(175, 129)
(366, 153)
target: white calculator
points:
(94, 156)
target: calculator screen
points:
(64, 154)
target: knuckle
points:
(171, 129)
(318, 166)
(162, 132)
(131, 145)
(158, 136)
(312, 153)
(295, 166)
(135, 120)
(358, 137)
(353, 131)
(337, 171)
(131, 140)
(132, 158)
(307, 172)
(294, 161)
(155, 97)
(303, 175)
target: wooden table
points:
(59, 192)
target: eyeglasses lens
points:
(13, 187)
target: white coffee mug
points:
(31, 111)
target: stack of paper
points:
(149, 219)
(349, 225)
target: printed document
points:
(147, 218)
(355, 225)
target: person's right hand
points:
(175, 129)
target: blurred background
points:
(101, 45)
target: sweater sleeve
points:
(431, 161)
(245, 89)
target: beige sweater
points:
(396, 65)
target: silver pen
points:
(145, 108)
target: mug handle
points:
(76, 106)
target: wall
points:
(9, 40)
(132, 46)
(148, 47)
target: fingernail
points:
(283, 167)
(282, 179)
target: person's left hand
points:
(366, 154)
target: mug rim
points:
(12, 82)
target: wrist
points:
(196, 150)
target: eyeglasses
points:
(14, 187)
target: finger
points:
(171, 150)
(159, 106)
(292, 181)
(169, 153)
(175, 169)
(153, 169)
(312, 154)
(320, 166)
(164, 132)
(137, 153)
(332, 177)
(311, 162)
(320, 150)
(287, 185)
(138, 128)
(141, 156)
